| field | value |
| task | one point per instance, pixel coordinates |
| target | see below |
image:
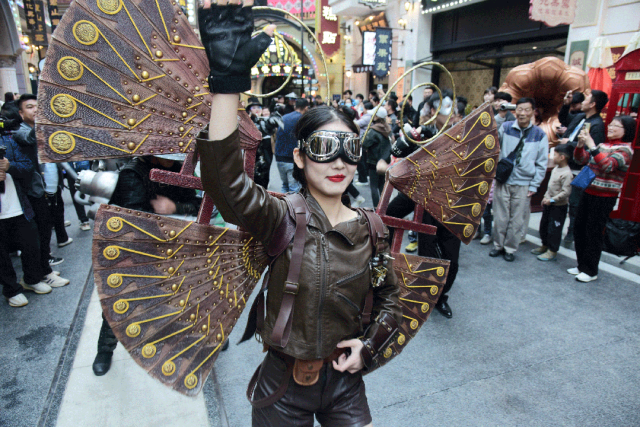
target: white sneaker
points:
(57, 273)
(38, 288)
(358, 183)
(358, 202)
(85, 226)
(486, 239)
(63, 244)
(67, 223)
(573, 271)
(55, 281)
(18, 301)
(584, 277)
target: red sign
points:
(616, 53)
(553, 12)
(328, 28)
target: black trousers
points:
(352, 190)
(19, 232)
(551, 225)
(44, 222)
(57, 211)
(591, 220)
(443, 245)
(362, 168)
(574, 201)
(376, 184)
(487, 217)
(80, 211)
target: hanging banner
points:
(54, 15)
(327, 28)
(382, 63)
(34, 11)
(293, 6)
(553, 12)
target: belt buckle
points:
(291, 288)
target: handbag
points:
(505, 166)
(584, 178)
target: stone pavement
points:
(527, 345)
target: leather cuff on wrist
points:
(229, 84)
(374, 346)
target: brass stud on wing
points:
(145, 75)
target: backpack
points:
(622, 237)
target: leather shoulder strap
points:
(282, 327)
(376, 229)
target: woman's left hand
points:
(586, 137)
(354, 362)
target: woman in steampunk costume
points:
(313, 328)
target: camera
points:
(8, 125)
(507, 107)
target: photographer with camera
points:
(17, 227)
(502, 104)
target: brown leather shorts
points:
(337, 400)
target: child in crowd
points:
(555, 205)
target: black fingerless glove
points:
(226, 36)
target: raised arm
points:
(226, 36)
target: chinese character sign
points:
(553, 12)
(34, 11)
(327, 28)
(54, 15)
(382, 62)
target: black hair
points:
(10, 111)
(435, 98)
(375, 98)
(526, 100)
(566, 150)
(9, 96)
(393, 104)
(460, 108)
(577, 98)
(348, 111)
(311, 121)
(409, 97)
(368, 105)
(319, 97)
(629, 125)
(373, 92)
(25, 97)
(347, 92)
(600, 98)
(394, 97)
(505, 96)
(361, 96)
(301, 103)
(491, 89)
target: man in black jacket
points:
(591, 108)
(135, 190)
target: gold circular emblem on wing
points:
(485, 119)
(114, 280)
(110, 7)
(468, 230)
(190, 381)
(388, 352)
(425, 307)
(490, 142)
(483, 188)
(434, 289)
(168, 368)
(414, 324)
(63, 105)
(440, 272)
(133, 330)
(121, 306)
(114, 224)
(489, 165)
(62, 142)
(85, 32)
(475, 209)
(70, 68)
(401, 339)
(148, 351)
(111, 252)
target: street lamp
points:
(407, 5)
(402, 23)
(348, 74)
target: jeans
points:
(286, 174)
(487, 217)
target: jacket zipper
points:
(323, 257)
(351, 303)
(353, 276)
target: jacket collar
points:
(350, 230)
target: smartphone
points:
(379, 86)
(587, 127)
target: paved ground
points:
(527, 345)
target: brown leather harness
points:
(294, 225)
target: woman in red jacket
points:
(609, 161)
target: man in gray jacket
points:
(512, 199)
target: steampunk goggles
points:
(324, 146)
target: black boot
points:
(107, 342)
(443, 307)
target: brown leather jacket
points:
(335, 275)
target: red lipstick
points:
(336, 178)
